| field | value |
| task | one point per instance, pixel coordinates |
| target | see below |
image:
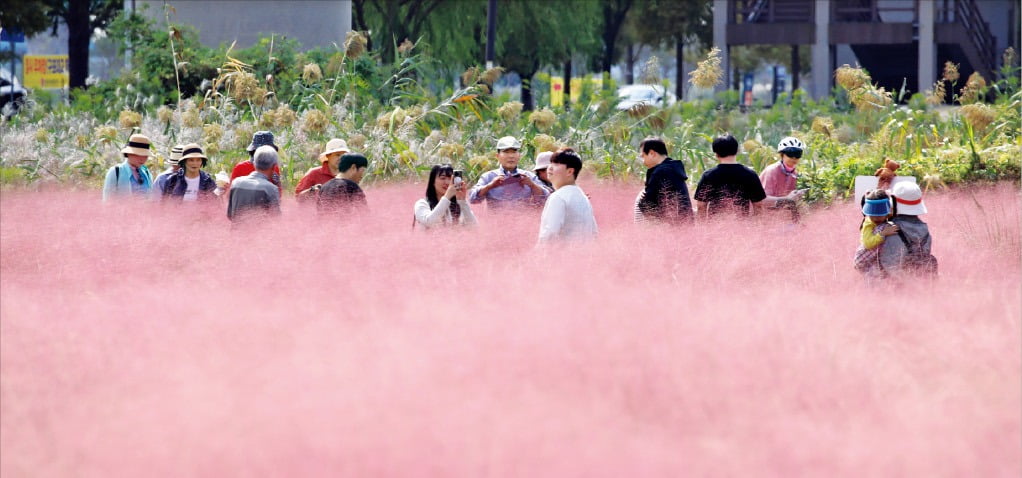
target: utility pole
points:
(491, 32)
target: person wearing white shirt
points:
(451, 209)
(567, 215)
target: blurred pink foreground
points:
(147, 341)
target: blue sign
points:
(9, 35)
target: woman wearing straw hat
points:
(316, 177)
(191, 183)
(131, 177)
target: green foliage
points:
(405, 118)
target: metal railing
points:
(770, 11)
(870, 11)
(967, 14)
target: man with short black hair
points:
(665, 197)
(343, 194)
(255, 195)
(507, 186)
(730, 186)
(568, 215)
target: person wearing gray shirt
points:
(255, 195)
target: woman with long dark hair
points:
(446, 201)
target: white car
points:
(11, 92)
(656, 95)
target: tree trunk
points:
(78, 35)
(527, 92)
(630, 64)
(613, 19)
(796, 68)
(358, 20)
(567, 85)
(679, 72)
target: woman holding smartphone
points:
(445, 203)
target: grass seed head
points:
(708, 73)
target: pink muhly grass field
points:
(148, 341)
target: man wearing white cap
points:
(131, 177)
(508, 186)
(909, 250)
(316, 177)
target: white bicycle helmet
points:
(790, 142)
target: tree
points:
(392, 21)
(674, 23)
(532, 34)
(26, 16)
(82, 18)
(615, 12)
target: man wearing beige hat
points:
(160, 183)
(316, 177)
(130, 178)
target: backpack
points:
(918, 260)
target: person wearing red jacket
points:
(308, 187)
(244, 168)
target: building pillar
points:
(720, 22)
(821, 51)
(927, 52)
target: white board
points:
(864, 184)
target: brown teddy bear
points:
(886, 174)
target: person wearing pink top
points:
(780, 179)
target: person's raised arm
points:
(483, 186)
(468, 218)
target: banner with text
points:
(46, 71)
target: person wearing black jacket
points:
(665, 198)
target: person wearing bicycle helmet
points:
(781, 178)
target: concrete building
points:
(313, 23)
(900, 42)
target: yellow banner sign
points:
(557, 88)
(46, 71)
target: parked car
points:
(11, 93)
(656, 95)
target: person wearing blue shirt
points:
(508, 187)
(130, 178)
